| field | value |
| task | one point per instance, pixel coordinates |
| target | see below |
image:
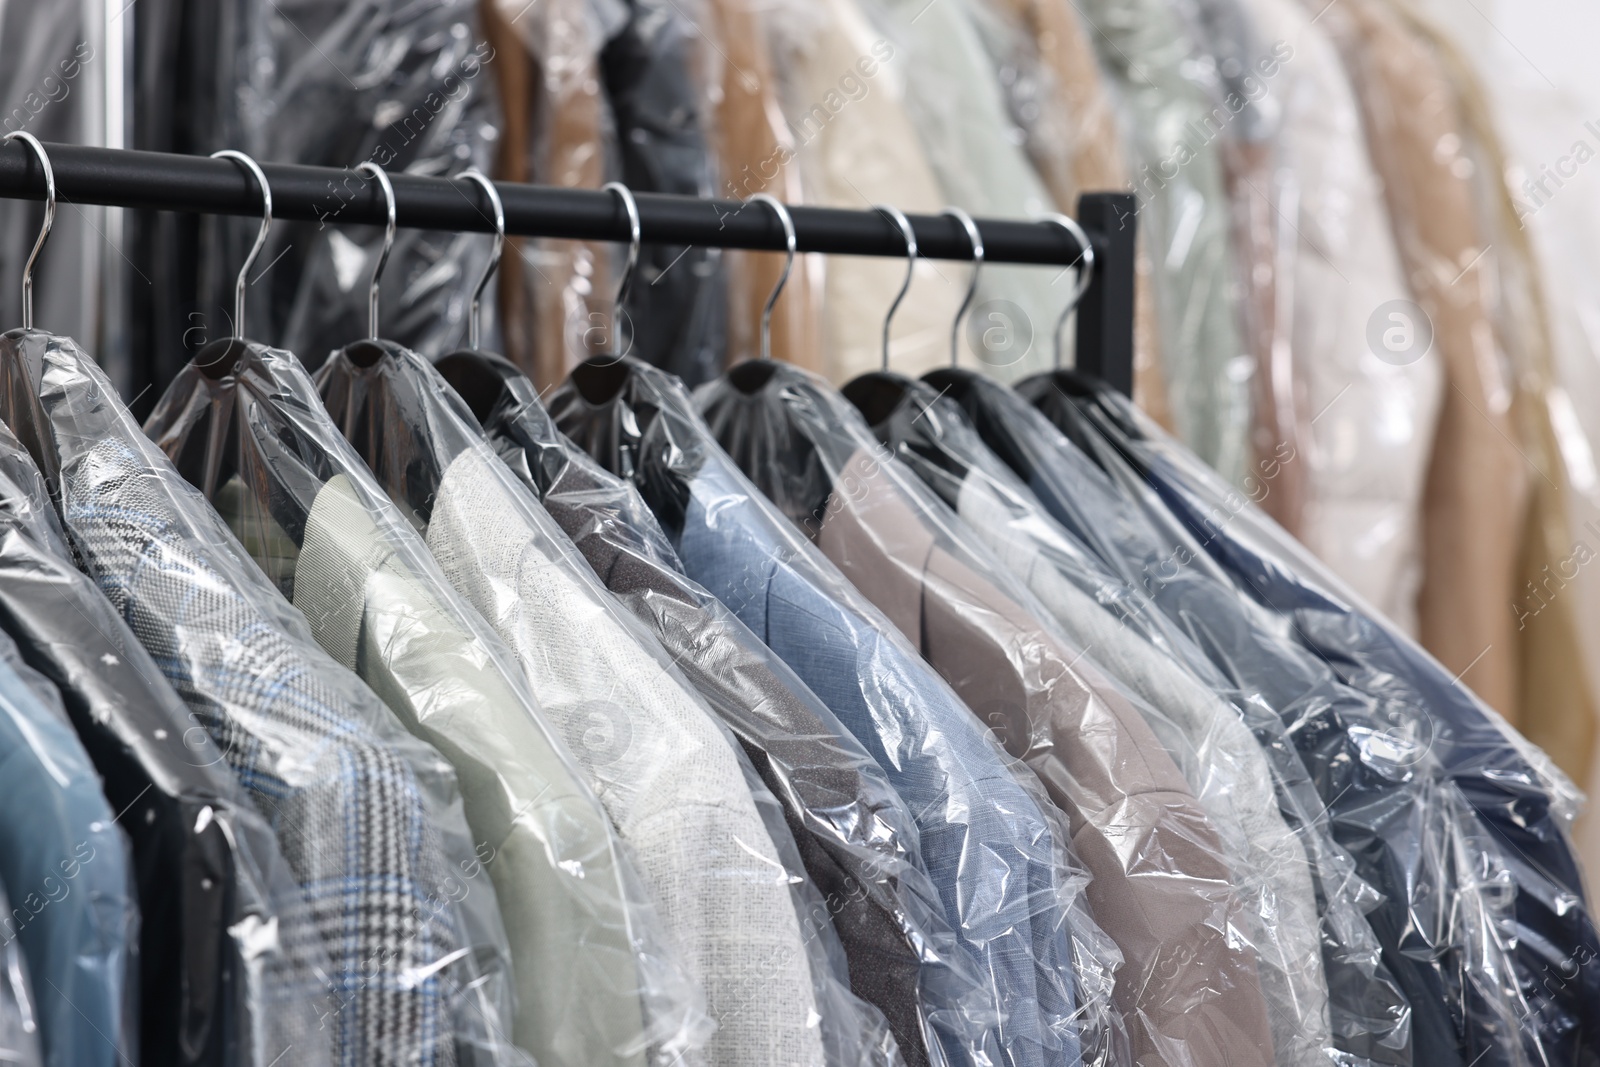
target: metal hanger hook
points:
(261, 236)
(790, 245)
(900, 220)
(44, 231)
(1085, 271)
(475, 175)
(377, 172)
(631, 206)
(972, 283)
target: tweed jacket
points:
(360, 808)
(207, 866)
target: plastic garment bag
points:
(811, 452)
(368, 818)
(1112, 625)
(64, 861)
(211, 881)
(1364, 1004)
(408, 86)
(585, 947)
(1445, 884)
(856, 145)
(858, 840)
(19, 1014)
(1524, 803)
(659, 87)
(671, 777)
(1173, 113)
(1378, 1025)
(1476, 480)
(954, 100)
(991, 843)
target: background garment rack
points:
(332, 196)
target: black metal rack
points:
(333, 196)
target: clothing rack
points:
(337, 196)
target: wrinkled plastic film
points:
(665, 770)
(858, 841)
(1113, 629)
(211, 879)
(1370, 1018)
(65, 862)
(19, 1015)
(1494, 768)
(259, 443)
(1454, 881)
(990, 841)
(406, 86)
(215, 623)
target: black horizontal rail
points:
(341, 196)
(165, 182)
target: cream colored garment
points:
(1222, 762)
(857, 148)
(662, 767)
(1185, 217)
(1365, 425)
(538, 831)
(1477, 482)
(953, 97)
(757, 155)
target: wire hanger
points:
(972, 283)
(261, 235)
(899, 219)
(790, 245)
(377, 172)
(49, 221)
(475, 175)
(631, 206)
(1085, 271)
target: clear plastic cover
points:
(408, 86)
(246, 426)
(858, 840)
(64, 861)
(210, 876)
(1445, 919)
(993, 642)
(368, 817)
(991, 841)
(671, 777)
(857, 146)
(1115, 627)
(954, 99)
(757, 151)
(1358, 372)
(19, 1012)
(1523, 803)
(1171, 104)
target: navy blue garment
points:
(65, 863)
(1557, 950)
(986, 842)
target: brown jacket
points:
(1160, 888)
